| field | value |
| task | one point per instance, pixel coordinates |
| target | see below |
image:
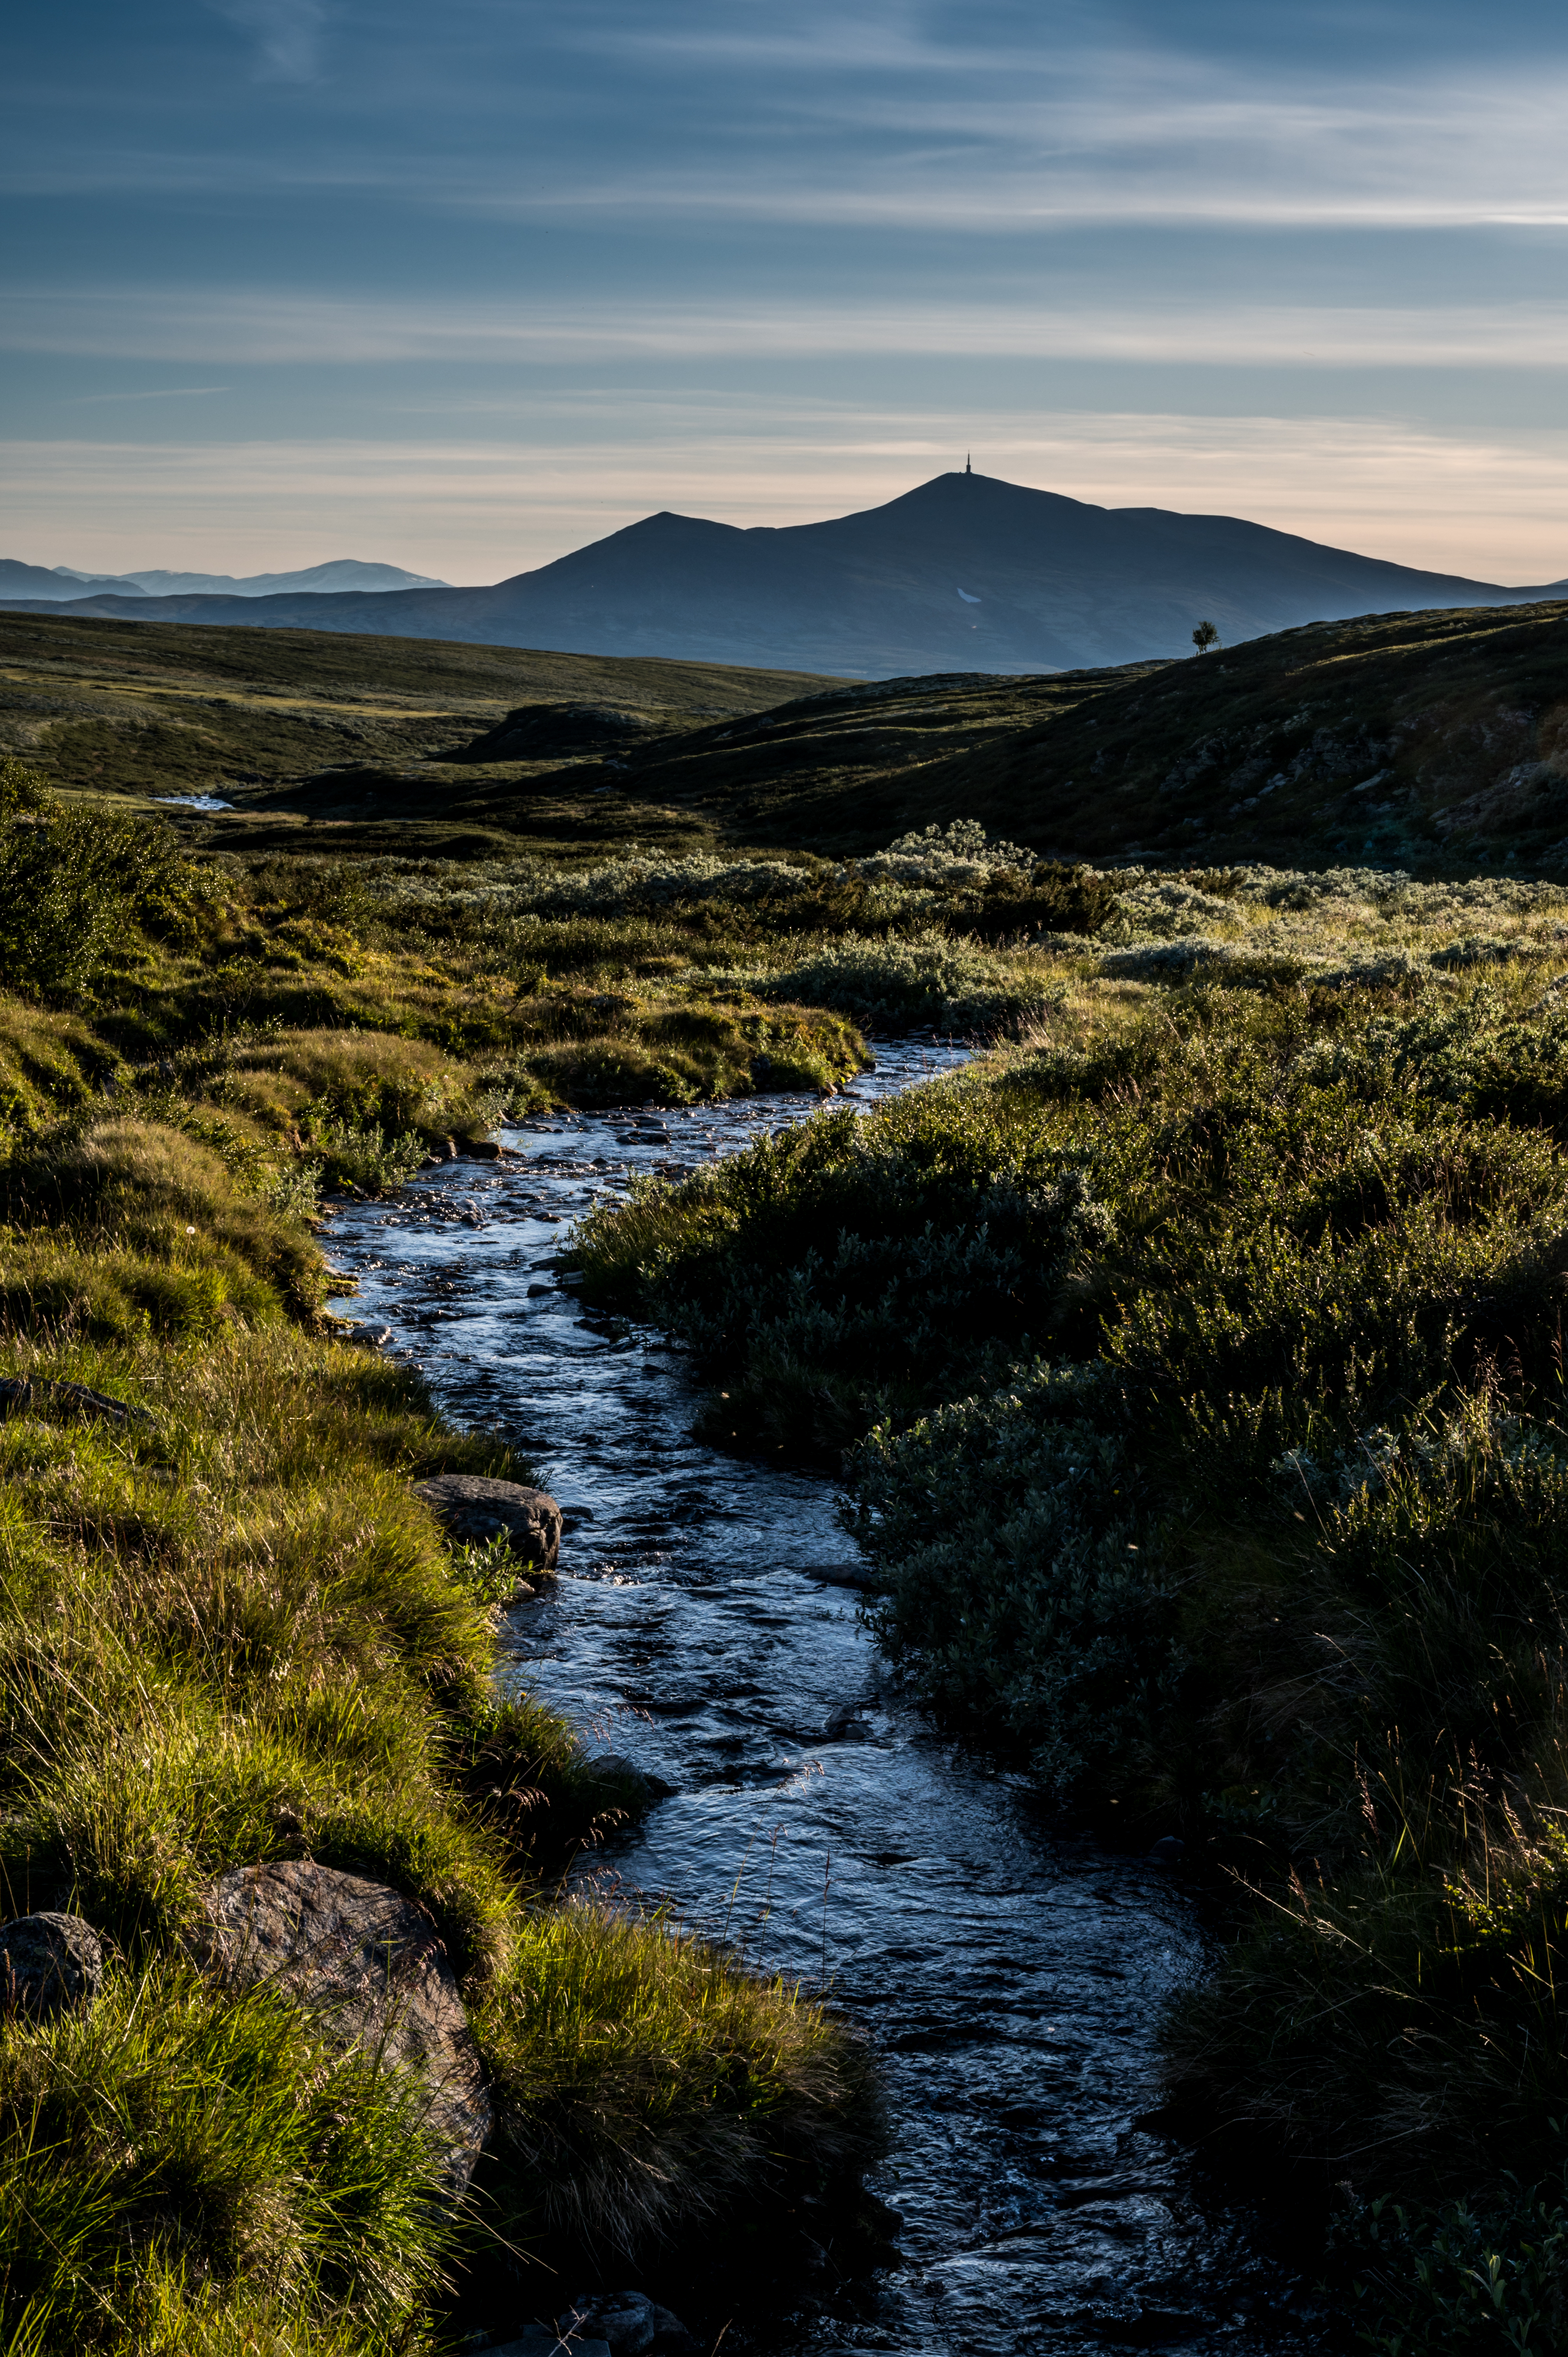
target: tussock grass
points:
(647, 2084)
(181, 2162)
(153, 1194)
(229, 1632)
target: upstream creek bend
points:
(1009, 1973)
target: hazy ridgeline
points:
(1198, 1361)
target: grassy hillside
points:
(1431, 741)
(1427, 741)
(139, 710)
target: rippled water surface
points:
(1010, 1976)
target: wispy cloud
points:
(277, 328)
(863, 119)
(154, 392)
(288, 34)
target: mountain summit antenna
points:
(967, 468)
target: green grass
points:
(181, 2165)
(229, 1632)
(646, 2084)
(1199, 1361)
(1195, 1359)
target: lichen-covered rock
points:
(367, 1963)
(476, 1510)
(49, 1961)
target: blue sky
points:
(463, 285)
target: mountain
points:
(964, 573)
(59, 583)
(344, 572)
(36, 585)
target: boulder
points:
(476, 1509)
(367, 1961)
(368, 1337)
(47, 1963)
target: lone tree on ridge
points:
(1205, 637)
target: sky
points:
(461, 287)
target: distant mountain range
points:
(62, 585)
(965, 572)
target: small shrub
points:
(925, 980)
(72, 880)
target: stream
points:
(1009, 1973)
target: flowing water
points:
(1010, 1975)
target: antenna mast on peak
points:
(967, 468)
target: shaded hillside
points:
(1431, 741)
(1434, 742)
(963, 572)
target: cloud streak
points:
(278, 328)
(859, 123)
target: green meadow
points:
(1192, 1363)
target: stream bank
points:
(1010, 1975)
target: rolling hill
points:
(1436, 742)
(963, 572)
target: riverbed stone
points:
(368, 1337)
(476, 1510)
(49, 1961)
(630, 2323)
(366, 1961)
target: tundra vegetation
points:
(1196, 1361)
(1193, 1361)
(229, 1632)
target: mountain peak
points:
(965, 572)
